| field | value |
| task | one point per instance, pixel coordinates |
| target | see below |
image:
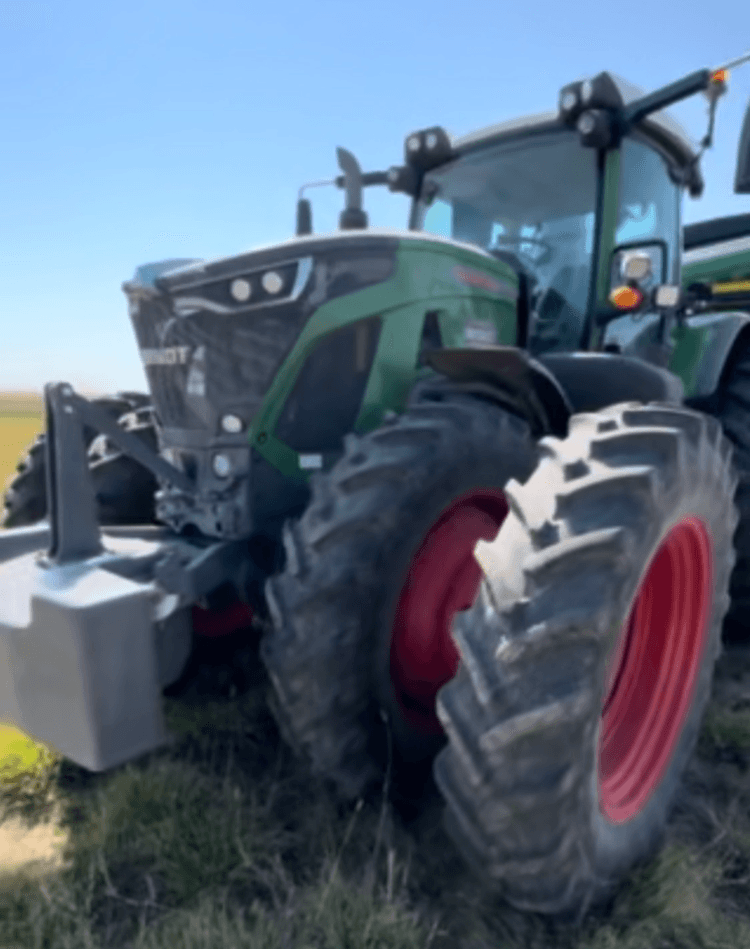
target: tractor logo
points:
(475, 278)
(480, 333)
(196, 380)
(162, 328)
(171, 356)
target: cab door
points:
(647, 219)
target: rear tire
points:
(734, 414)
(124, 489)
(564, 753)
(335, 608)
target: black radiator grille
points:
(210, 350)
(218, 362)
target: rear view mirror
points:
(742, 176)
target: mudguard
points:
(593, 381)
(511, 377)
(548, 389)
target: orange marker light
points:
(625, 298)
(720, 76)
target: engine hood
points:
(176, 275)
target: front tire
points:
(587, 659)
(124, 489)
(375, 569)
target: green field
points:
(224, 841)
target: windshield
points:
(532, 203)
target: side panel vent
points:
(325, 401)
(431, 339)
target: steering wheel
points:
(517, 241)
(550, 330)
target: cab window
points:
(649, 209)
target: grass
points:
(224, 840)
(15, 404)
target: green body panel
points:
(703, 346)
(394, 366)
(726, 267)
(701, 349)
(460, 286)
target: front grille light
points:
(244, 290)
(241, 290)
(222, 466)
(272, 281)
(232, 424)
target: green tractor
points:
(477, 478)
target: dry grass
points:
(223, 840)
(21, 404)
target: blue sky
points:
(137, 131)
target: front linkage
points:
(98, 624)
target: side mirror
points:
(742, 175)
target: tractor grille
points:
(205, 364)
(213, 336)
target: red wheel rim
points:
(215, 623)
(442, 580)
(654, 671)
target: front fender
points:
(549, 389)
(511, 377)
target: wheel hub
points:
(442, 580)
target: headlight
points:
(232, 424)
(272, 281)
(222, 466)
(241, 290)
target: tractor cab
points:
(576, 214)
(583, 203)
(528, 196)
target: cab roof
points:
(660, 127)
